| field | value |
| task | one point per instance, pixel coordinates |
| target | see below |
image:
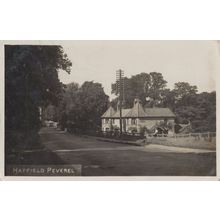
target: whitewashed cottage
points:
(136, 118)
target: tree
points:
(183, 100)
(182, 90)
(67, 103)
(85, 105)
(168, 99)
(50, 113)
(142, 85)
(154, 86)
(133, 87)
(200, 110)
(31, 81)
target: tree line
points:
(184, 99)
(31, 82)
(82, 106)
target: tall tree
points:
(168, 99)
(84, 105)
(143, 85)
(31, 81)
(154, 86)
(183, 100)
(200, 110)
(184, 89)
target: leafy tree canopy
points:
(31, 80)
(183, 100)
(82, 106)
(182, 89)
(143, 85)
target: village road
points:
(100, 158)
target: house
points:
(137, 118)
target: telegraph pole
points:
(120, 91)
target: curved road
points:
(100, 158)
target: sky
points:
(196, 62)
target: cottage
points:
(137, 118)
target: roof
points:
(139, 112)
(109, 113)
(124, 113)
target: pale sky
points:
(196, 62)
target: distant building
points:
(136, 118)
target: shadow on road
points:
(110, 159)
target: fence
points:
(116, 135)
(192, 140)
(207, 136)
(198, 136)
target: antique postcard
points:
(110, 109)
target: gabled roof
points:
(159, 112)
(109, 113)
(137, 111)
(124, 113)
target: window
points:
(113, 121)
(106, 120)
(133, 121)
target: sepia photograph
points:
(111, 108)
